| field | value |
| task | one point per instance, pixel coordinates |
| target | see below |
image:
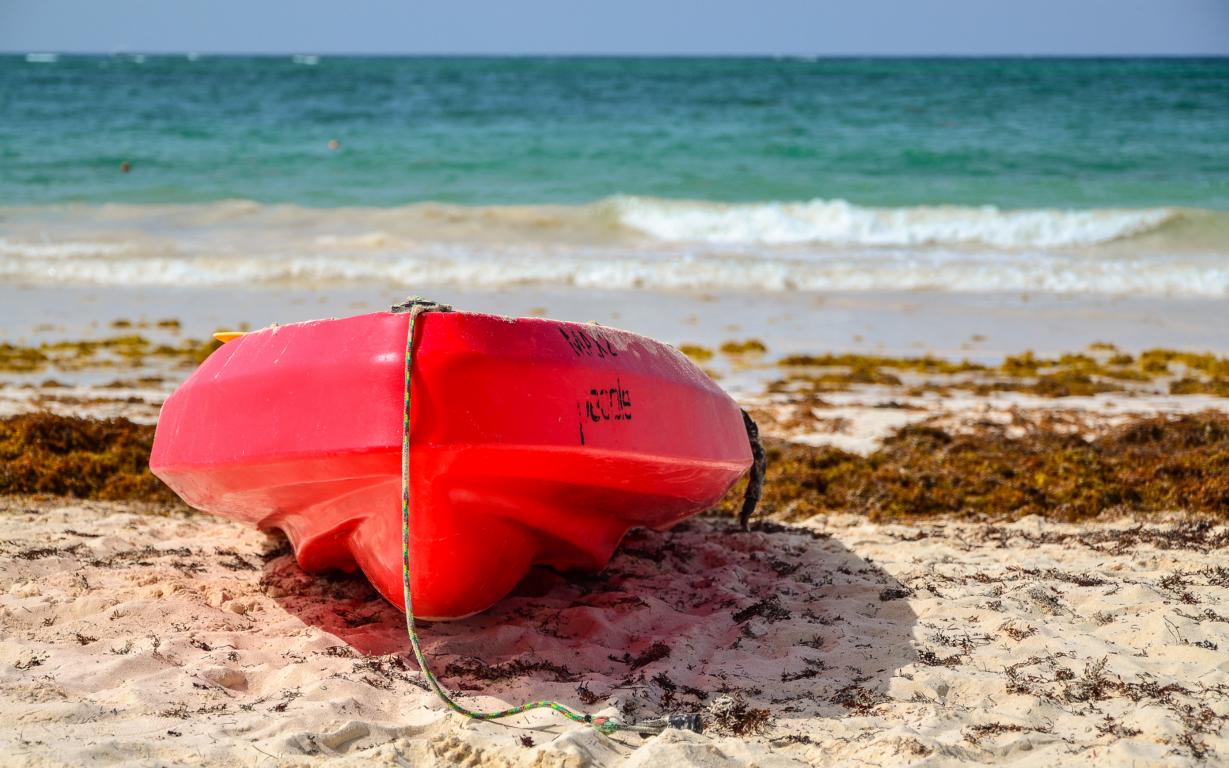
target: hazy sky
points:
(1083, 27)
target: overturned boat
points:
(530, 441)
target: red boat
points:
(532, 442)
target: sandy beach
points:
(182, 639)
(144, 633)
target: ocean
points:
(1107, 177)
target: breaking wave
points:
(836, 222)
(631, 243)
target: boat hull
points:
(532, 442)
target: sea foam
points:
(837, 222)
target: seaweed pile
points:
(1101, 368)
(104, 459)
(1156, 464)
(124, 351)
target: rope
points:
(416, 307)
(755, 478)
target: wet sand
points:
(978, 326)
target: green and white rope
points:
(417, 307)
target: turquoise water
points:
(1057, 176)
(484, 131)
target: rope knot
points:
(418, 305)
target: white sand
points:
(155, 640)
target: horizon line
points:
(608, 55)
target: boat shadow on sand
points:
(783, 620)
